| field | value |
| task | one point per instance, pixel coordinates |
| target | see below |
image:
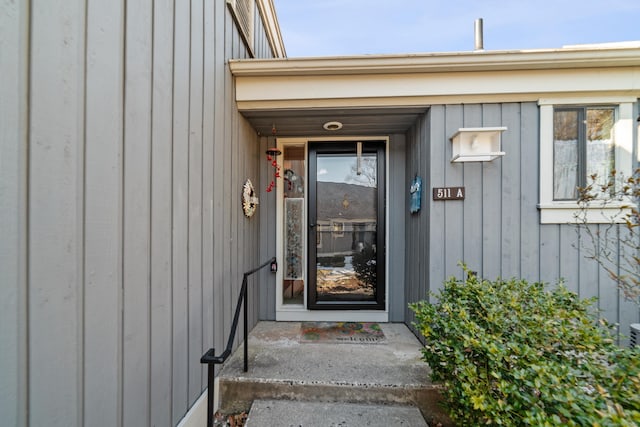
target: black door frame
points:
(379, 148)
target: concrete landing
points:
(314, 414)
(282, 368)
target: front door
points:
(346, 226)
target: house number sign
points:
(448, 193)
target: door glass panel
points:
(294, 214)
(346, 226)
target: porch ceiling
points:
(309, 122)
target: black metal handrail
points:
(211, 359)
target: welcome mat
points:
(341, 332)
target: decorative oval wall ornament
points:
(249, 199)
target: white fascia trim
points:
(272, 27)
(288, 90)
(443, 62)
(563, 212)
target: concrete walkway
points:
(382, 375)
(284, 413)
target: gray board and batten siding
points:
(496, 230)
(123, 240)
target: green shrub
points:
(512, 353)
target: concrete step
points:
(315, 414)
(282, 368)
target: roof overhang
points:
(627, 55)
(397, 82)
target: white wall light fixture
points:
(477, 144)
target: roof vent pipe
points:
(478, 35)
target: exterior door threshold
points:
(332, 316)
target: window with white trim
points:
(579, 138)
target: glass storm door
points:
(346, 226)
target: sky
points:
(363, 27)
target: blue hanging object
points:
(416, 194)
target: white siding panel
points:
(412, 288)
(549, 254)
(530, 245)
(395, 285)
(161, 214)
(219, 73)
(137, 213)
(608, 295)
(629, 310)
(418, 248)
(492, 181)
(181, 76)
(233, 172)
(267, 215)
(195, 200)
(56, 212)
(472, 205)
(588, 279)
(509, 191)
(228, 302)
(437, 211)
(208, 184)
(454, 211)
(14, 18)
(569, 258)
(103, 222)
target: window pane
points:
(565, 154)
(600, 153)
(294, 214)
